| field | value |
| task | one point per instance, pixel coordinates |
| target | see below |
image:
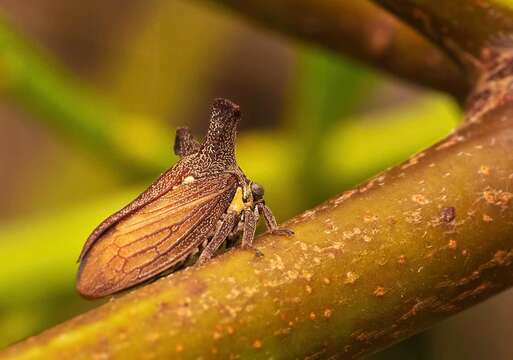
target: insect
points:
(191, 208)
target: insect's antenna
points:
(219, 145)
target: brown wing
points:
(155, 237)
(164, 183)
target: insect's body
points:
(204, 199)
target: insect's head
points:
(258, 191)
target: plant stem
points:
(364, 270)
(364, 31)
(464, 28)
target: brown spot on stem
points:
(379, 291)
(448, 214)
(484, 170)
(351, 278)
(505, 198)
(420, 199)
(489, 196)
(497, 197)
(487, 218)
(328, 313)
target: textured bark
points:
(478, 23)
(480, 27)
(480, 40)
(364, 31)
(363, 271)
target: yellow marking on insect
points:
(248, 196)
(189, 179)
(237, 204)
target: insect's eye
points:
(257, 190)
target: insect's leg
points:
(234, 235)
(185, 144)
(250, 223)
(270, 221)
(219, 237)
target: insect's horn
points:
(220, 140)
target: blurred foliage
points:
(381, 139)
(326, 91)
(167, 65)
(134, 143)
(37, 278)
(325, 142)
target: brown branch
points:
(364, 31)
(479, 24)
(363, 271)
(481, 40)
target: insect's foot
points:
(257, 252)
(282, 232)
(202, 260)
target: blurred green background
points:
(90, 95)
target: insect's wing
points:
(155, 237)
(163, 184)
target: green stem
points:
(326, 92)
(363, 271)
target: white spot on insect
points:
(188, 180)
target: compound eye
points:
(257, 190)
